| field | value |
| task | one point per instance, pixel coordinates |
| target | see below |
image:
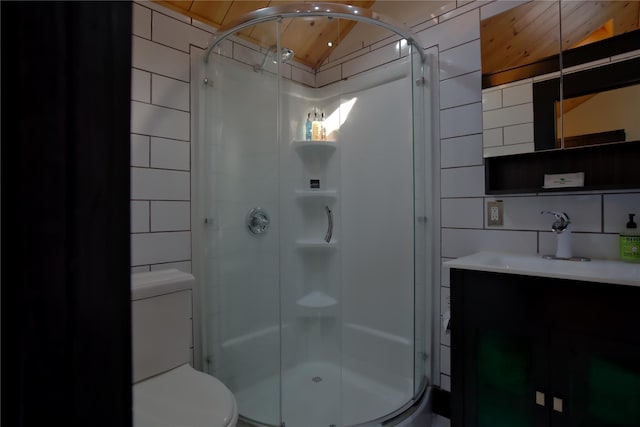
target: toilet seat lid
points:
(183, 397)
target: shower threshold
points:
(321, 394)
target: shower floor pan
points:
(316, 394)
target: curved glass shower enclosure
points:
(314, 244)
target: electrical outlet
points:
(494, 213)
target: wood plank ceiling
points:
(518, 36)
(531, 31)
(310, 50)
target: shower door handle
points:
(327, 237)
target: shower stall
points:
(311, 217)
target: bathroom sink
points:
(603, 271)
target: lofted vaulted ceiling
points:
(513, 38)
(307, 37)
(531, 31)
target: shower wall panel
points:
(377, 242)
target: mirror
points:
(599, 104)
(524, 85)
(608, 115)
(517, 45)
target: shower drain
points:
(316, 379)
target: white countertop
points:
(596, 270)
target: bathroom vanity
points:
(544, 342)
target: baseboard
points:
(441, 402)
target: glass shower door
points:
(422, 212)
(315, 282)
(241, 209)
(310, 247)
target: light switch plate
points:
(495, 213)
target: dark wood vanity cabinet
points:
(534, 351)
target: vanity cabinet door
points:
(498, 351)
(531, 351)
(604, 384)
(596, 345)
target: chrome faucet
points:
(561, 228)
(561, 223)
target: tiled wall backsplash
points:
(161, 140)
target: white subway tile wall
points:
(178, 35)
(139, 150)
(170, 93)
(374, 59)
(155, 248)
(462, 213)
(462, 181)
(452, 125)
(492, 138)
(506, 150)
(159, 59)
(160, 146)
(159, 184)
(139, 216)
(140, 86)
(160, 139)
(460, 60)
(141, 21)
(461, 90)
(617, 208)
(148, 119)
(507, 118)
(461, 151)
(170, 216)
(169, 154)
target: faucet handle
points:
(561, 223)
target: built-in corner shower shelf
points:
(317, 299)
(316, 245)
(316, 195)
(314, 146)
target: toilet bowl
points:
(167, 390)
(183, 397)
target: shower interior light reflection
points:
(339, 116)
(402, 44)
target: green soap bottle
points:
(630, 242)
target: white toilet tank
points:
(162, 324)
(167, 391)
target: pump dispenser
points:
(315, 127)
(307, 128)
(630, 242)
(323, 129)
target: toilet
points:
(167, 390)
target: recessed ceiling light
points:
(330, 44)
